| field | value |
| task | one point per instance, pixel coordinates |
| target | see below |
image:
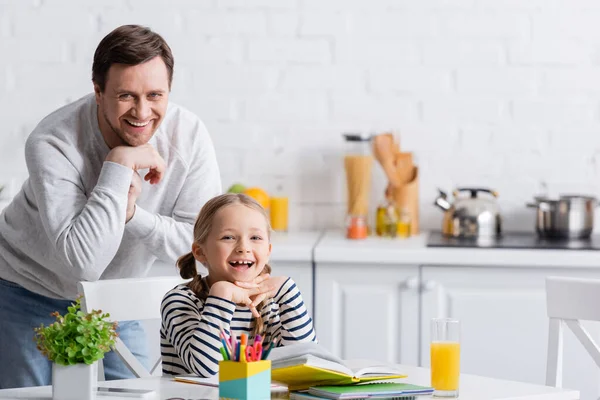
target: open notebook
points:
(303, 365)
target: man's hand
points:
(140, 157)
(134, 191)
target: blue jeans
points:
(22, 364)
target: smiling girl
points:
(232, 240)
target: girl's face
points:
(237, 247)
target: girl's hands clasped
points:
(267, 285)
(242, 295)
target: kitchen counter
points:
(335, 248)
(294, 246)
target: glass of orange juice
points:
(279, 214)
(445, 356)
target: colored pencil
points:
(266, 353)
(226, 342)
(224, 354)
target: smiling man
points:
(116, 180)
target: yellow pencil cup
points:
(245, 380)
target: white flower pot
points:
(74, 382)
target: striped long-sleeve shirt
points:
(189, 335)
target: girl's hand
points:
(239, 295)
(267, 285)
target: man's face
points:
(133, 103)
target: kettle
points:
(470, 216)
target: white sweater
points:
(67, 224)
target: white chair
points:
(128, 299)
(568, 301)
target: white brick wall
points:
(504, 94)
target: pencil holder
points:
(245, 380)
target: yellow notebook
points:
(309, 364)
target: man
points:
(116, 180)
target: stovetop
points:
(515, 240)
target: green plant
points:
(76, 337)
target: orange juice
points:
(279, 213)
(445, 365)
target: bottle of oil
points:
(380, 219)
(404, 223)
(386, 219)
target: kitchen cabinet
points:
(367, 298)
(368, 311)
(384, 293)
(504, 326)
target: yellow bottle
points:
(380, 220)
(386, 220)
(404, 224)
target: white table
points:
(471, 388)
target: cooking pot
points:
(568, 217)
(471, 216)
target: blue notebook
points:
(369, 391)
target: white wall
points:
(499, 93)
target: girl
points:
(232, 240)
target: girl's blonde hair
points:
(202, 228)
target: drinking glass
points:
(279, 214)
(445, 356)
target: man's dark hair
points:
(131, 45)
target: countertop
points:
(335, 248)
(294, 246)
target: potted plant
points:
(74, 343)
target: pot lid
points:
(577, 197)
(357, 137)
(569, 197)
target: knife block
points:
(407, 197)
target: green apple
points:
(236, 188)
